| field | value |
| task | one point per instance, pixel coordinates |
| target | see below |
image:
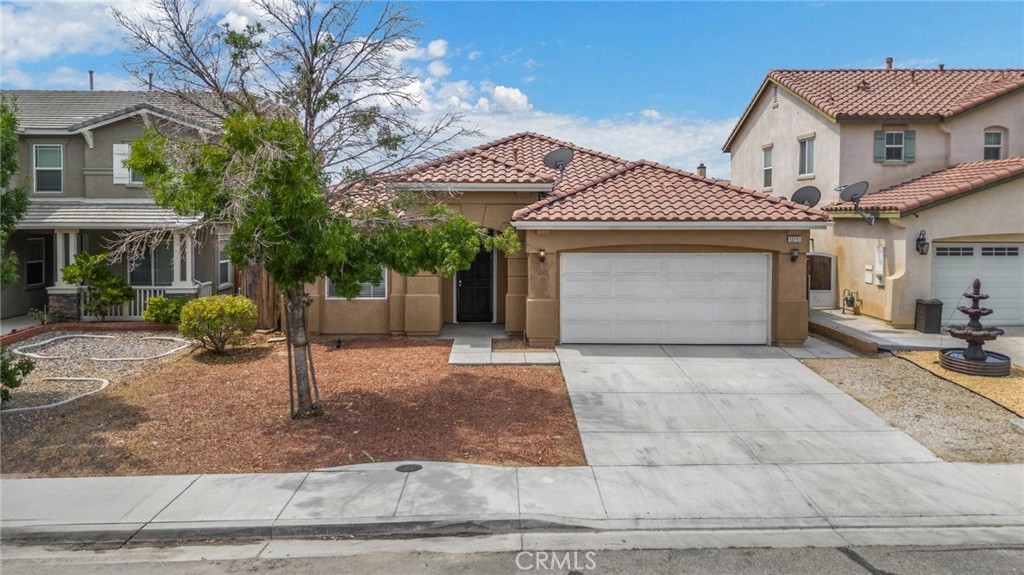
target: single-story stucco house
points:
(613, 252)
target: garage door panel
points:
(954, 268)
(585, 263)
(665, 298)
(591, 285)
(637, 265)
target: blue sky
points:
(664, 81)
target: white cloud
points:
(235, 21)
(529, 64)
(510, 99)
(34, 31)
(438, 69)
(437, 48)
(651, 114)
(474, 55)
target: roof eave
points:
(785, 225)
(753, 102)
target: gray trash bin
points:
(929, 316)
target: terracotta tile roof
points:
(940, 185)
(514, 159)
(649, 192)
(898, 93)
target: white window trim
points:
(231, 268)
(999, 147)
(801, 160)
(42, 262)
(383, 281)
(768, 169)
(151, 254)
(902, 147)
(35, 169)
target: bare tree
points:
(334, 68)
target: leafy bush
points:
(105, 289)
(218, 321)
(160, 309)
(11, 373)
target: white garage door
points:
(1000, 267)
(665, 298)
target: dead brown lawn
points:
(385, 399)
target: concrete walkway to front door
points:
(472, 346)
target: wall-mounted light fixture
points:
(922, 244)
(542, 256)
(794, 254)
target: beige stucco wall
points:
(789, 298)
(99, 161)
(966, 131)
(781, 126)
(420, 305)
(858, 154)
(992, 215)
(74, 151)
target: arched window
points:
(994, 146)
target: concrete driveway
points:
(686, 405)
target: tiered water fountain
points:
(973, 360)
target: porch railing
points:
(133, 308)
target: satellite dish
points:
(854, 192)
(558, 159)
(808, 196)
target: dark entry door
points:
(474, 290)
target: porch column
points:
(181, 285)
(64, 256)
(62, 297)
(189, 260)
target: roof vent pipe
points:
(702, 170)
(91, 79)
(150, 83)
(942, 66)
(888, 63)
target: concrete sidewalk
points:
(788, 505)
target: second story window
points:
(766, 164)
(122, 173)
(894, 146)
(806, 157)
(48, 162)
(993, 145)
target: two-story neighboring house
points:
(72, 148)
(942, 152)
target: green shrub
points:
(160, 309)
(218, 321)
(105, 289)
(11, 372)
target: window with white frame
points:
(156, 268)
(367, 290)
(993, 145)
(766, 166)
(35, 262)
(894, 146)
(806, 157)
(48, 163)
(224, 277)
(122, 173)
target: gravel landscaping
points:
(954, 423)
(385, 399)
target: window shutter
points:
(879, 146)
(121, 173)
(909, 146)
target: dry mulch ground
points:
(384, 399)
(1006, 391)
(516, 343)
(954, 423)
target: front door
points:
(821, 281)
(474, 290)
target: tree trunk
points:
(302, 371)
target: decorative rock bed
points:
(74, 364)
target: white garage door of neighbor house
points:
(1000, 267)
(665, 298)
